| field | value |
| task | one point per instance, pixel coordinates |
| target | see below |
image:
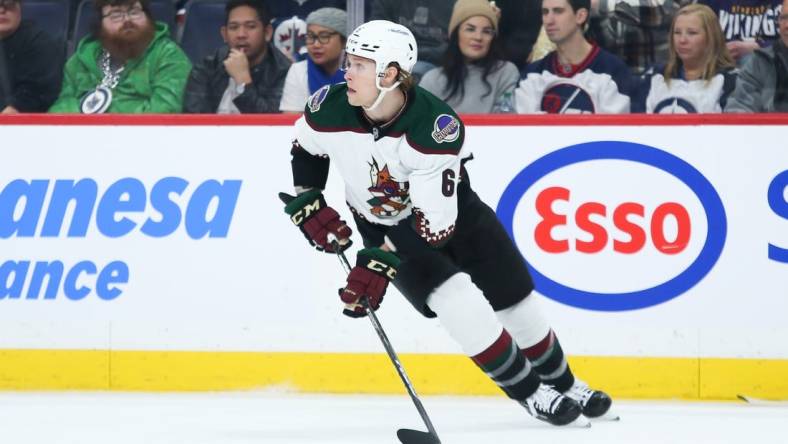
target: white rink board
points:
(261, 288)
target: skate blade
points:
(580, 423)
(608, 416)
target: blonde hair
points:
(716, 59)
(406, 79)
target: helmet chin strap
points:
(381, 94)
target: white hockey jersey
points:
(656, 96)
(403, 176)
(599, 84)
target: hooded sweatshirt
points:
(151, 83)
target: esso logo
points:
(614, 226)
(622, 217)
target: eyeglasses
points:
(119, 15)
(7, 5)
(322, 37)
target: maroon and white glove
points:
(374, 270)
(317, 220)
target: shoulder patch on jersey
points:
(317, 98)
(446, 128)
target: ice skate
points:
(548, 405)
(595, 403)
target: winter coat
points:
(762, 85)
(209, 79)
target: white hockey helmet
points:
(383, 42)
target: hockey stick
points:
(406, 436)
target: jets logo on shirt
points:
(446, 129)
(389, 196)
(565, 98)
(674, 105)
(317, 98)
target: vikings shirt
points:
(747, 19)
(598, 84)
(402, 175)
(656, 96)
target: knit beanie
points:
(465, 9)
(331, 18)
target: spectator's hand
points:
(739, 48)
(9, 110)
(237, 65)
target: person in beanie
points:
(474, 78)
(129, 64)
(247, 74)
(325, 42)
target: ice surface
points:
(283, 418)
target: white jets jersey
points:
(657, 96)
(403, 174)
(599, 84)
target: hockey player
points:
(578, 77)
(400, 152)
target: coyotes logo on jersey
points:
(389, 196)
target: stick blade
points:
(409, 436)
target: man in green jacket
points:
(128, 65)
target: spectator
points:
(428, 20)
(474, 77)
(699, 74)
(746, 24)
(518, 28)
(578, 77)
(32, 63)
(247, 74)
(762, 85)
(290, 26)
(637, 31)
(129, 64)
(325, 40)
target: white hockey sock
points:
(465, 314)
(525, 322)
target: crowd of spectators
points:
(480, 56)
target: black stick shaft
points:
(390, 350)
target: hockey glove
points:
(316, 220)
(374, 270)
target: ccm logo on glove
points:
(374, 270)
(317, 220)
(383, 269)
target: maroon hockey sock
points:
(508, 368)
(547, 358)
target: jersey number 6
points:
(448, 183)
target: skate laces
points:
(580, 392)
(545, 399)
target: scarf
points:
(318, 78)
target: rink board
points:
(658, 248)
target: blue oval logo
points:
(604, 150)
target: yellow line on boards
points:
(623, 377)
